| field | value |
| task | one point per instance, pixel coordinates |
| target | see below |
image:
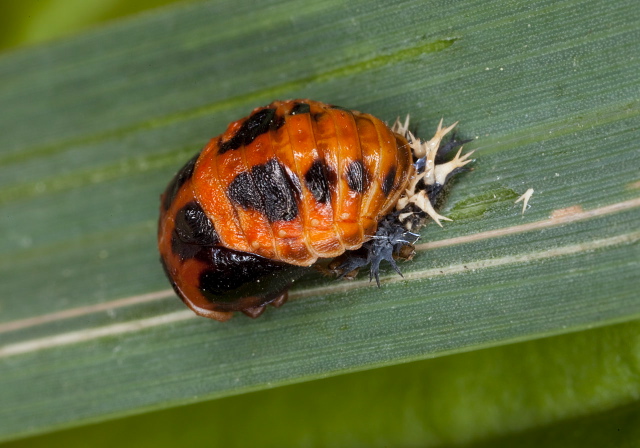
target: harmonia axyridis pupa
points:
(293, 183)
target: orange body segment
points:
(300, 180)
(212, 174)
(317, 215)
(352, 179)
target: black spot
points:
(194, 227)
(256, 124)
(295, 182)
(332, 176)
(333, 106)
(243, 192)
(178, 181)
(387, 183)
(184, 250)
(300, 108)
(358, 177)
(233, 276)
(317, 183)
(277, 189)
(316, 117)
(193, 232)
(231, 269)
(269, 189)
(276, 123)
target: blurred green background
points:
(29, 22)
(573, 390)
(579, 389)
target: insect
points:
(295, 183)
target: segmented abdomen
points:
(300, 180)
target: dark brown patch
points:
(388, 181)
(256, 124)
(183, 250)
(233, 276)
(317, 183)
(269, 189)
(194, 227)
(300, 108)
(231, 269)
(317, 116)
(277, 190)
(358, 177)
(193, 232)
(332, 176)
(243, 192)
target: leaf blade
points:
(81, 171)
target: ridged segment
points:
(300, 180)
(211, 177)
(254, 221)
(394, 143)
(327, 142)
(373, 161)
(347, 207)
(289, 234)
(316, 204)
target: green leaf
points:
(573, 390)
(92, 128)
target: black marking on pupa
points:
(269, 189)
(300, 108)
(255, 125)
(193, 230)
(358, 177)
(317, 182)
(389, 180)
